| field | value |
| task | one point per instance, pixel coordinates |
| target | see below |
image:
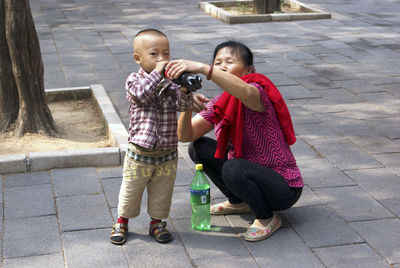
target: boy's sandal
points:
(159, 232)
(222, 209)
(255, 233)
(119, 233)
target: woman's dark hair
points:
(237, 48)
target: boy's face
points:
(150, 49)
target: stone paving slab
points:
(320, 172)
(66, 180)
(353, 203)
(88, 249)
(298, 254)
(346, 156)
(44, 261)
(29, 201)
(380, 183)
(26, 179)
(383, 236)
(320, 226)
(91, 208)
(171, 255)
(358, 255)
(38, 235)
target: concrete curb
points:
(213, 8)
(37, 161)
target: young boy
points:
(151, 158)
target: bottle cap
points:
(199, 166)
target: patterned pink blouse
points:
(263, 140)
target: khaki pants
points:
(159, 179)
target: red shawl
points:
(229, 109)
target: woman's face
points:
(231, 63)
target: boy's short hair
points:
(151, 31)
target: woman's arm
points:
(191, 128)
(248, 94)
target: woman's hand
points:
(176, 67)
(199, 103)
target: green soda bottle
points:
(200, 200)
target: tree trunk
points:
(266, 6)
(8, 88)
(27, 71)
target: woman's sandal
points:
(222, 209)
(159, 232)
(255, 233)
(119, 233)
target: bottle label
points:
(200, 196)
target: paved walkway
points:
(341, 79)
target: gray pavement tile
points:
(363, 111)
(358, 86)
(358, 255)
(318, 133)
(180, 208)
(111, 189)
(269, 252)
(220, 241)
(393, 205)
(28, 201)
(153, 254)
(320, 226)
(354, 67)
(38, 235)
(315, 49)
(320, 172)
(385, 126)
(301, 116)
(231, 261)
(297, 92)
(184, 174)
(316, 82)
(297, 71)
(43, 261)
(353, 204)
(381, 183)
(83, 212)
(92, 248)
(346, 156)
(331, 72)
(282, 80)
(380, 98)
(383, 236)
(373, 142)
(318, 106)
(109, 172)
(309, 198)
(334, 58)
(338, 95)
(302, 150)
(390, 161)
(392, 88)
(65, 181)
(344, 124)
(26, 179)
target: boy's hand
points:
(199, 103)
(160, 67)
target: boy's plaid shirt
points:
(154, 103)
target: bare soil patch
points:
(81, 125)
(247, 8)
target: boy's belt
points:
(150, 159)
